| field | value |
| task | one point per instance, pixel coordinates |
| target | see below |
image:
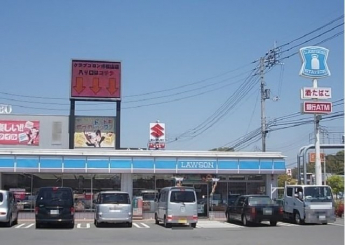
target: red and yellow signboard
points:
(19, 132)
(312, 157)
(96, 80)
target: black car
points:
(254, 209)
(54, 205)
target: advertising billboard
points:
(96, 80)
(19, 132)
(94, 132)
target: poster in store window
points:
(19, 132)
(94, 132)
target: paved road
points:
(146, 232)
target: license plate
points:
(54, 211)
(183, 209)
(267, 211)
(322, 217)
(115, 208)
(182, 221)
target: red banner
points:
(19, 132)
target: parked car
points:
(254, 209)
(113, 207)
(8, 208)
(177, 205)
(54, 205)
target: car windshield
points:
(318, 194)
(1, 197)
(182, 196)
(114, 198)
(260, 201)
(55, 196)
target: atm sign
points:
(317, 107)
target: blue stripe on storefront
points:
(266, 164)
(279, 165)
(249, 164)
(121, 163)
(143, 163)
(30, 162)
(51, 162)
(6, 162)
(74, 162)
(147, 163)
(97, 163)
(165, 164)
(228, 164)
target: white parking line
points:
(28, 226)
(136, 225)
(145, 225)
(87, 226)
(18, 226)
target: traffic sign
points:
(314, 62)
(316, 93)
(316, 107)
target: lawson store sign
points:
(116, 164)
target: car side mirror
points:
(300, 195)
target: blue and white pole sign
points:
(314, 62)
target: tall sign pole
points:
(314, 66)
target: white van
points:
(177, 205)
(113, 207)
(8, 208)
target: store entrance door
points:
(202, 195)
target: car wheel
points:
(16, 221)
(71, 225)
(96, 223)
(273, 223)
(9, 223)
(298, 219)
(228, 219)
(156, 219)
(38, 225)
(193, 225)
(129, 224)
(166, 224)
(244, 220)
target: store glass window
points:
(164, 180)
(237, 177)
(143, 182)
(256, 188)
(255, 177)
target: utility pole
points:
(269, 60)
(263, 98)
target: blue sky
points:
(183, 63)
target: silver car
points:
(8, 208)
(177, 205)
(113, 207)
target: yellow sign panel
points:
(94, 132)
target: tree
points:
(336, 182)
(284, 178)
